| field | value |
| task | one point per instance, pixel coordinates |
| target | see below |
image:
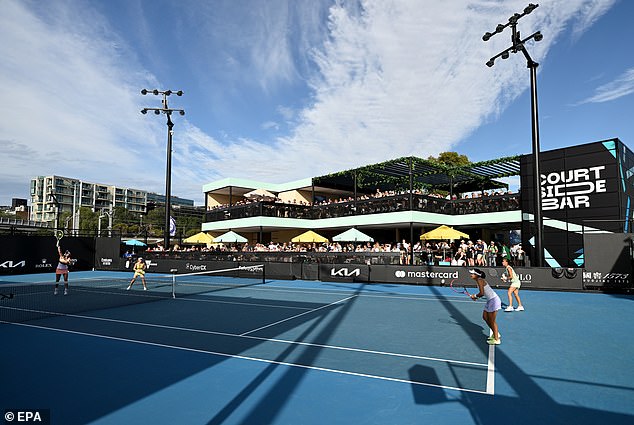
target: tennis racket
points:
(459, 288)
(59, 234)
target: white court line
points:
(282, 341)
(169, 298)
(296, 316)
(490, 388)
(235, 356)
(284, 288)
(491, 371)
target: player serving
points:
(139, 270)
(62, 269)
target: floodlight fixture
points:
(165, 109)
(512, 21)
(518, 45)
(528, 9)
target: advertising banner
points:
(579, 186)
(38, 254)
(344, 272)
(107, 254)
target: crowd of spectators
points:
(379, 202)
(365, 197)
(459, 253)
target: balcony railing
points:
(18, 222)
(387, 204)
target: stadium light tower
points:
(518, 45)
(165, 109)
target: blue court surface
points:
(305, 352)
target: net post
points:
(263, 273)
(173, 271)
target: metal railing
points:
(387, 204)
(4, 221)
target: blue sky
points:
(281, 90)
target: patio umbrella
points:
(352, 235)
(199, 238)
(260, 195)
(134, 242)
(308, 237)
(443, 232)
(230, 237)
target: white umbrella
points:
(352, 235)
(134, 242)
(260, 195)
(230, 237)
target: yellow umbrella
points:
(308, 237)
(199, 238)
(443, 232)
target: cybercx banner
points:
(579, 185)
(344, 272)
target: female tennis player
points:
(514, 289)
(62, 269)
(491, 307)
(139, 270)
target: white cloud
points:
(623, 85)
(70, 99)
(268, 125)
(404, 77)
(392, 78)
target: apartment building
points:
(54, 195)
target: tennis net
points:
(26, 301)
(217, 280)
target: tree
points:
(155, 220)
(88, 219)
(451, 162)
(451, 159)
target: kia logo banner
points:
(344, 272)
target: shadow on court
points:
(271, 403)
(84, 367)
(89, 369)
(532, 405)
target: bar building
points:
(586, 189)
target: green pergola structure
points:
(410, 173)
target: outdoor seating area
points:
(364, 206)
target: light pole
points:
(53, 198)
(518, 45)
(168, 172)
(105, 213)
(76, 205)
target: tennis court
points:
(235, 350)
